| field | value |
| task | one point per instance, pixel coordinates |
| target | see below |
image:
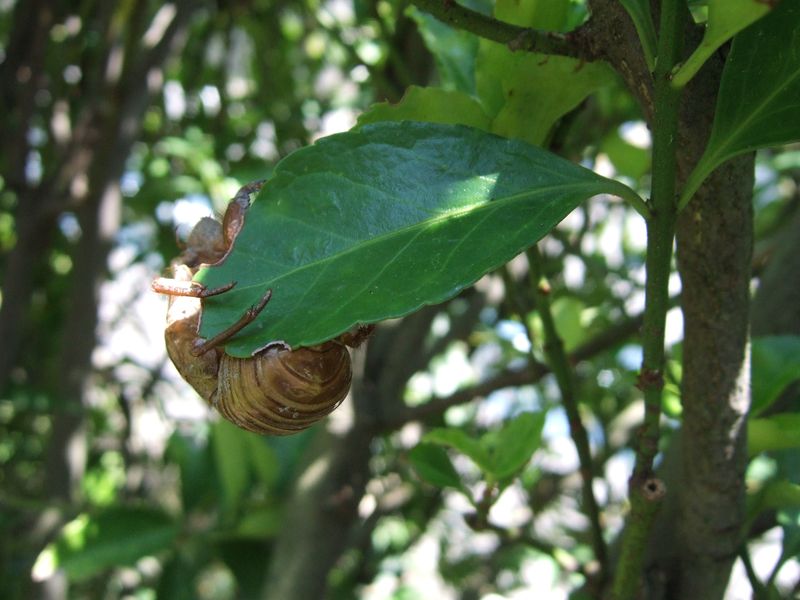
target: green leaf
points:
(549, 15)
(639, 11)
(117, 536)
(377, 222)
(511, 447)
(433, 465)
(758, 103)
(230, 448)
(195, 462)
(629, 160)
(511, 83)
(260, 523)
(499, 453)
(726, 18)
(263, 459)
(780, 494)
(777, 432)
(775, 364)
(432, 105)
(453, 50)
(460, 440)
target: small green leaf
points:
(377, 222)
(116, 536)
(758, 102)
(777, 432)
(639, 11)
(510, 448)
(726, 18)
(775, 364)
(432, 105)
(433, 465)
(460, 440)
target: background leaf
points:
(639, 11)
(460, 440)
(434, 466)
(230, 448)
(511, 447)
(375, 223)
(775, 364)
(759, 97)
(776, 432)
(432, 105)
(726, 18)
(117, 536)
(510, 83)
(453, 50)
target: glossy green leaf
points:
(117, 536)
(377, 222)
(433, 465)
(758, 103)
(726, 18)
(775, 364)
(432, 105)
(639, 11)
(776, 432)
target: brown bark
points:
(714, 245)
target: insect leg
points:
(202, 346)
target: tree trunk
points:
(714, 250)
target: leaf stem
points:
(645, 490)
(562, 370)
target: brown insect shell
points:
(278, 391)
(281, 391)
(183, 322)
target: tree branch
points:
(512, 378)
(573, 44)
(559, 363)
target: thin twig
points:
(573, 44)
(645, 491)
(606, 339)
(559, 363)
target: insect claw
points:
(202, 346)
